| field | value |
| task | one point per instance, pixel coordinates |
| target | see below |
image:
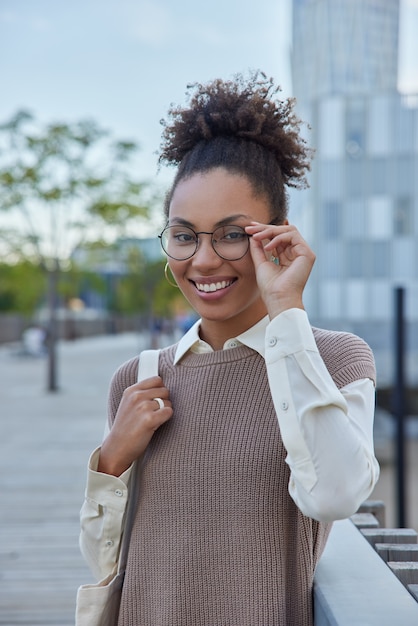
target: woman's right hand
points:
(137, 419)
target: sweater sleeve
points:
(327, 431)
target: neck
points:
(216, 333)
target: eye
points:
(183, 237)
(231, 234)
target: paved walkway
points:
(44, 445)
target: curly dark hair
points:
(241, 126)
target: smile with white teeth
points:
(210, 287)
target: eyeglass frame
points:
(197, 243)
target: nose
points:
(205, 256)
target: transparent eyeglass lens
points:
(229, 242)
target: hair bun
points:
(240, 109)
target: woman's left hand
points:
(283, 262)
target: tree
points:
(20, 287)
(135, 280)
(62, 184)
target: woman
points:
(257, 434)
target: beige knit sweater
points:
(217, 540)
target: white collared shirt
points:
(327, 433)
(252, 338)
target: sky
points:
(123, 62)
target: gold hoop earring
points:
(167, 276)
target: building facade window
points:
(356, 260)
(379, 127)
(356, 299)
(330, 127)
(404, 169)
(355, 218)
(332, 219)
(380, 259)
(331, 294)
(355, 128)
(404, 128)
(403, 252)
(330, 177)
(380, 220)
(403, 217)
(356, 178)
(380, 175)
(331, 261)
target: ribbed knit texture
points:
(217, 540)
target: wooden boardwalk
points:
(44, 445)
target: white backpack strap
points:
(148, 364)
(147, 367)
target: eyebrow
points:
(231, 219)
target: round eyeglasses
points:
(181, 242)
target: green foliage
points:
(63, 184)
(75, 280)
(144, 289)
(23, 284)
(66, 183)
(62, 187)
(66, 190)
(127, 293)
(20, 287)
(168, 300)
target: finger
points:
(153, 414)
(160, 392)
(289, 242)
(258, 230)
(266, 250)
(135, 395)
(159, 417)
(150, 383)
(152, 406)
(274, 237)
(258, 252)
(159, 401)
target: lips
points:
(211, 287)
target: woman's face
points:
(203, 202)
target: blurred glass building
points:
(344, 47)
(361, 210)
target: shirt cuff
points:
(100, 483)
(289, 333)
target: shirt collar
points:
(252, 338)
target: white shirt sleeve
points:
(101, 518)
(327, 433)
